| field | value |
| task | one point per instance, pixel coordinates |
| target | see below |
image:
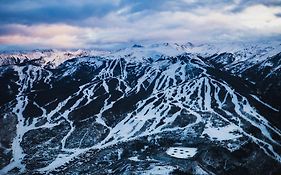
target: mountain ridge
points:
(139, 94)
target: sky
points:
(105, 23)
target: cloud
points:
(52, 11)
(63, 36)
(31, 12)
(53, 24)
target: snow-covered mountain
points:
(146, 109)
(48, 58)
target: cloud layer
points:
(73, 24)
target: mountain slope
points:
(118, 113)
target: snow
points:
(250, 53)
(228, 132)
(200, 171)
(59, 161)
(153, 51)
(55, 56)
(157, 170)
(267, 105)
(181, 152)
(205, 89)
(135, 158)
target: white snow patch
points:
(181, 152)
(229, 132)
(199, 170)
(135, 158)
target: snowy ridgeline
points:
(250, 52)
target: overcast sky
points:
(94, 23)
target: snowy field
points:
(181, 152)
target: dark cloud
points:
(72, 12)
(242, 4)
(278, 15)
(33, 12)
